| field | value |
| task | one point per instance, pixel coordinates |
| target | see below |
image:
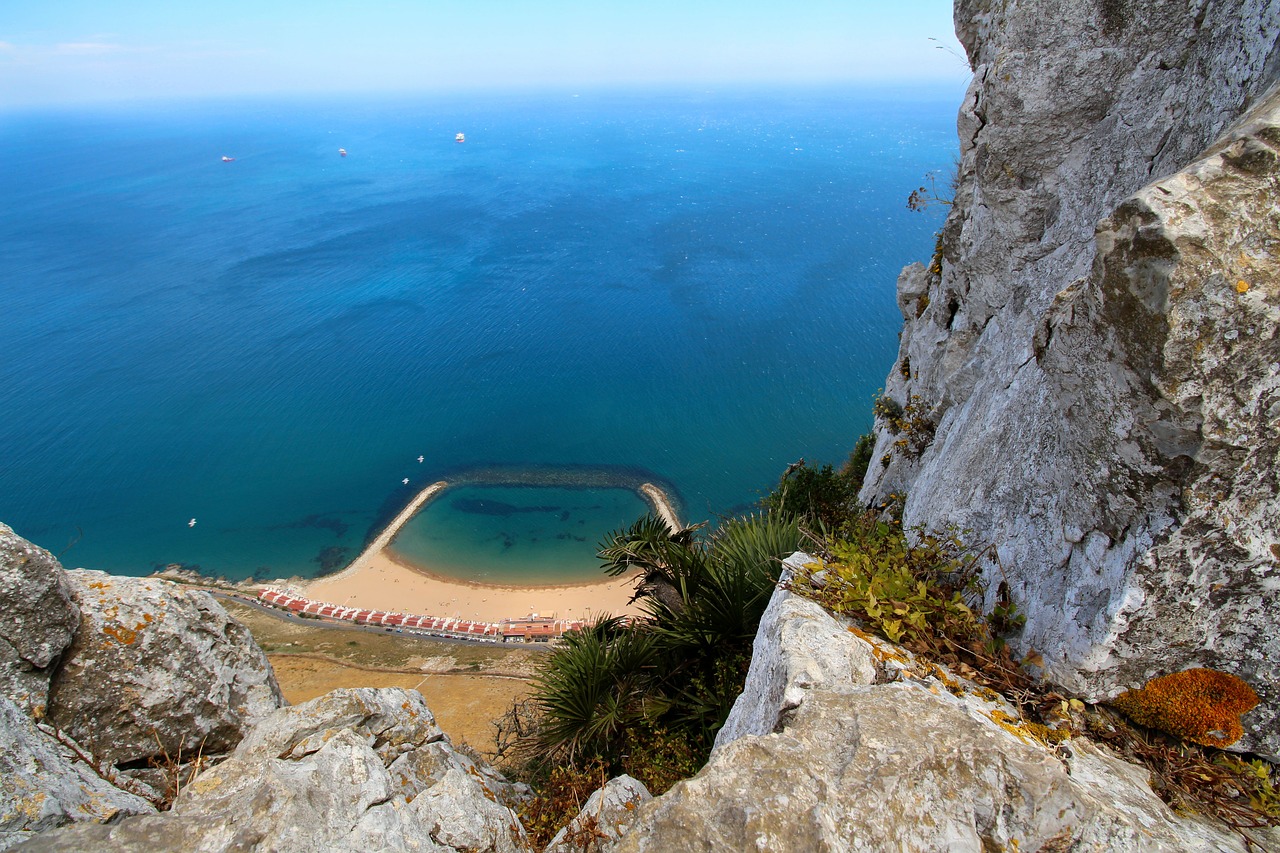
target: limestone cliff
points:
(1092, 363)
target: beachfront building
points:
(529, 629)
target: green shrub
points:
(821, 496)
(648, 697)
(855, 469)
(908, 593)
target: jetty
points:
(655, 496)
(389, 532)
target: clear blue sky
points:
(61, 51)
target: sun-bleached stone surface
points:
(603, 819)
(903, 765)
(43, 785)
(157, 669)
(37, 620)
(797, 648)
(1096, 345)
(356, 769)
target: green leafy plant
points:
(909, 593)
(855, 469)
(591, 689)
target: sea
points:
(594, 289)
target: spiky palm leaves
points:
(592, 688)
(668, 560)
(684, 666)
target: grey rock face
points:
(359, 769)
(42, 786)
(907, 765)
(798, 648)
(157, 669)
(37, 620)
(606, 816)
(1106, 403)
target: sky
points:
(74, 51)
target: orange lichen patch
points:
(1242, 286)
(948, 682)
(99, 585)
(1198, 705)
(122, 635)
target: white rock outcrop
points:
(603, 819)
(358, 769)
(45, 785)
(904, 765)
(37, 620)
(155, 670)
(1093, 361)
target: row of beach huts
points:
(528, 629)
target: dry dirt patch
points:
(466, 685)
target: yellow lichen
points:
(1198, 705)
(878, 650)
(1242, 286)
(1029, 732)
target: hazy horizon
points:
(82, 52)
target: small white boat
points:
(459, 138)
(227, 159)
(342, 152)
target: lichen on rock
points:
(157, 670)
(1198, 705)
(37, 620)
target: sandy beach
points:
(384, 584)
(376, 580)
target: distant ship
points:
(459, 138)
(342, 152)
(227, 159)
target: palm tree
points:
(683, 667)
(591, 689)
(669, 560)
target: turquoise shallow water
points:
(516, 535)
(696, 286)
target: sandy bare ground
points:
(386, 584)
(466, 685)
(464, 705)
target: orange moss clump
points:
(1198, 705)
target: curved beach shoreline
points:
(380, 579)
(385, 583)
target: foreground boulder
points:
(886, 755)
(43, 784)
(359, 769)
(37, 620)
(606, 817)
(157, 671)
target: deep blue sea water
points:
(696, 287)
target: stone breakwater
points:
(658, 498)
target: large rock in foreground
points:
(603, 819)
(43, 785)
(360, 769)
(829, 757)
(37, 620)
(157, 670)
